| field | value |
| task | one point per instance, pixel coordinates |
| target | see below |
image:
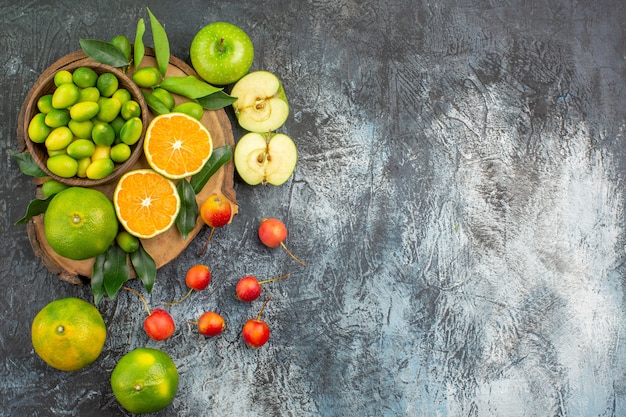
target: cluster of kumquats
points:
(83, 223)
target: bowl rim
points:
(29, 108)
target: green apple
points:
(261, 104)
(221, 53)
(268, 158)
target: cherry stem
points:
(207, 241)
(291, 254)
(143, 300)
(263, 308)
(265, 281)
(181, 300)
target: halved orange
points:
(146, 203)
(177, 145)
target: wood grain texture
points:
(458, 201)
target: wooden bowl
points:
(45, 85)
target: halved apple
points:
(268, 158)
(261, 104)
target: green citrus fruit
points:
(120, 152)
(127, 242)
(123, 44)
(38, 130)
(146, 77)
(52, 187)
(107, 83)
(62, 77)
(62, 165)
(68, 334)
(145, 380)
(80, 223)
(44, 104)
(84, 77)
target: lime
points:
(84, 77)
(80, 223)
(65, 95)
(68, 334)
(44, 103)
(145, 380)
(107, 83)
(62, 77)
(127, 242)
(38, 130)
(52, 187)
(120, 152)
(123, 44)
(100, 168)
(146, 77)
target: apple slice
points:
(261, 104)
(267, 159)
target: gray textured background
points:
(458, 200)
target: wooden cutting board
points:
(167, 246)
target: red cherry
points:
(216, 211)
(256, 332)
(198, 277)
(273, 232)
(249, 288)
(211, 324)
(159, 325)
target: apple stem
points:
(181, 300)
(265, 281)
(263, 308)
(143, 300)
(221, 45)
(207, 242)
(291, 254)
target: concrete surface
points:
(458, 200)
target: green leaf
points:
(139, 48)
(97, 278)
(154, 103)
(188, 86)
(161, 44)
(35, 208)
(28, 165)
(219, 157)
(116, 270)
(104, 52)
(216, 101)
(144, 266)
(188, 214)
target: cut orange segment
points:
(177, 145)
(146, 203)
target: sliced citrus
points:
(146, 203)
(177, 145)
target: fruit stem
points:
(181, 300)
(143, 300)
(221, 45)
(265, 281)
(207, 242)
(291, 254)
(263, 308)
